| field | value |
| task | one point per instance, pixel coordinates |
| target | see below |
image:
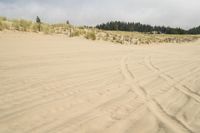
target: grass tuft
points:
(90, 35)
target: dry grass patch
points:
(90, 35)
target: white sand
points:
(55, 84)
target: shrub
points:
(51, 30)
(74, 33)
(119, 41)
(114, 38)
(1, 26)
(4, 25)
(25, 25)
(46, 28)
(91, 35)
(21, 25)
(16, 25)
(34, 27)
(3, 18)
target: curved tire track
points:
(170, 79)
(152, 105)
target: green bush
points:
(91, 35)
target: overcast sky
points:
(175, 13)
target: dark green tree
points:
(123, 26)
(67, 22)
(195, 30)
(38, 21)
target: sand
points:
(56, 84)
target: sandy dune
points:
(55, 84)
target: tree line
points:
(145, 28)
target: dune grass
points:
(90, 35)
(120, 37)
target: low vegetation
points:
(21, 25)
(90, 35)
(3, 18)
(120, 37)
(74, 33)
(1, 26)
(136, 38)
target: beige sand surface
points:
(55, 84)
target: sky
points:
(174, 13)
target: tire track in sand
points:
(157, 110)
(181, 87)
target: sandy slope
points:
(55, 84)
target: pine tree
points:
(124, 26)
(38, 21)
(67, 22)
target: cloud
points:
(176, 13)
